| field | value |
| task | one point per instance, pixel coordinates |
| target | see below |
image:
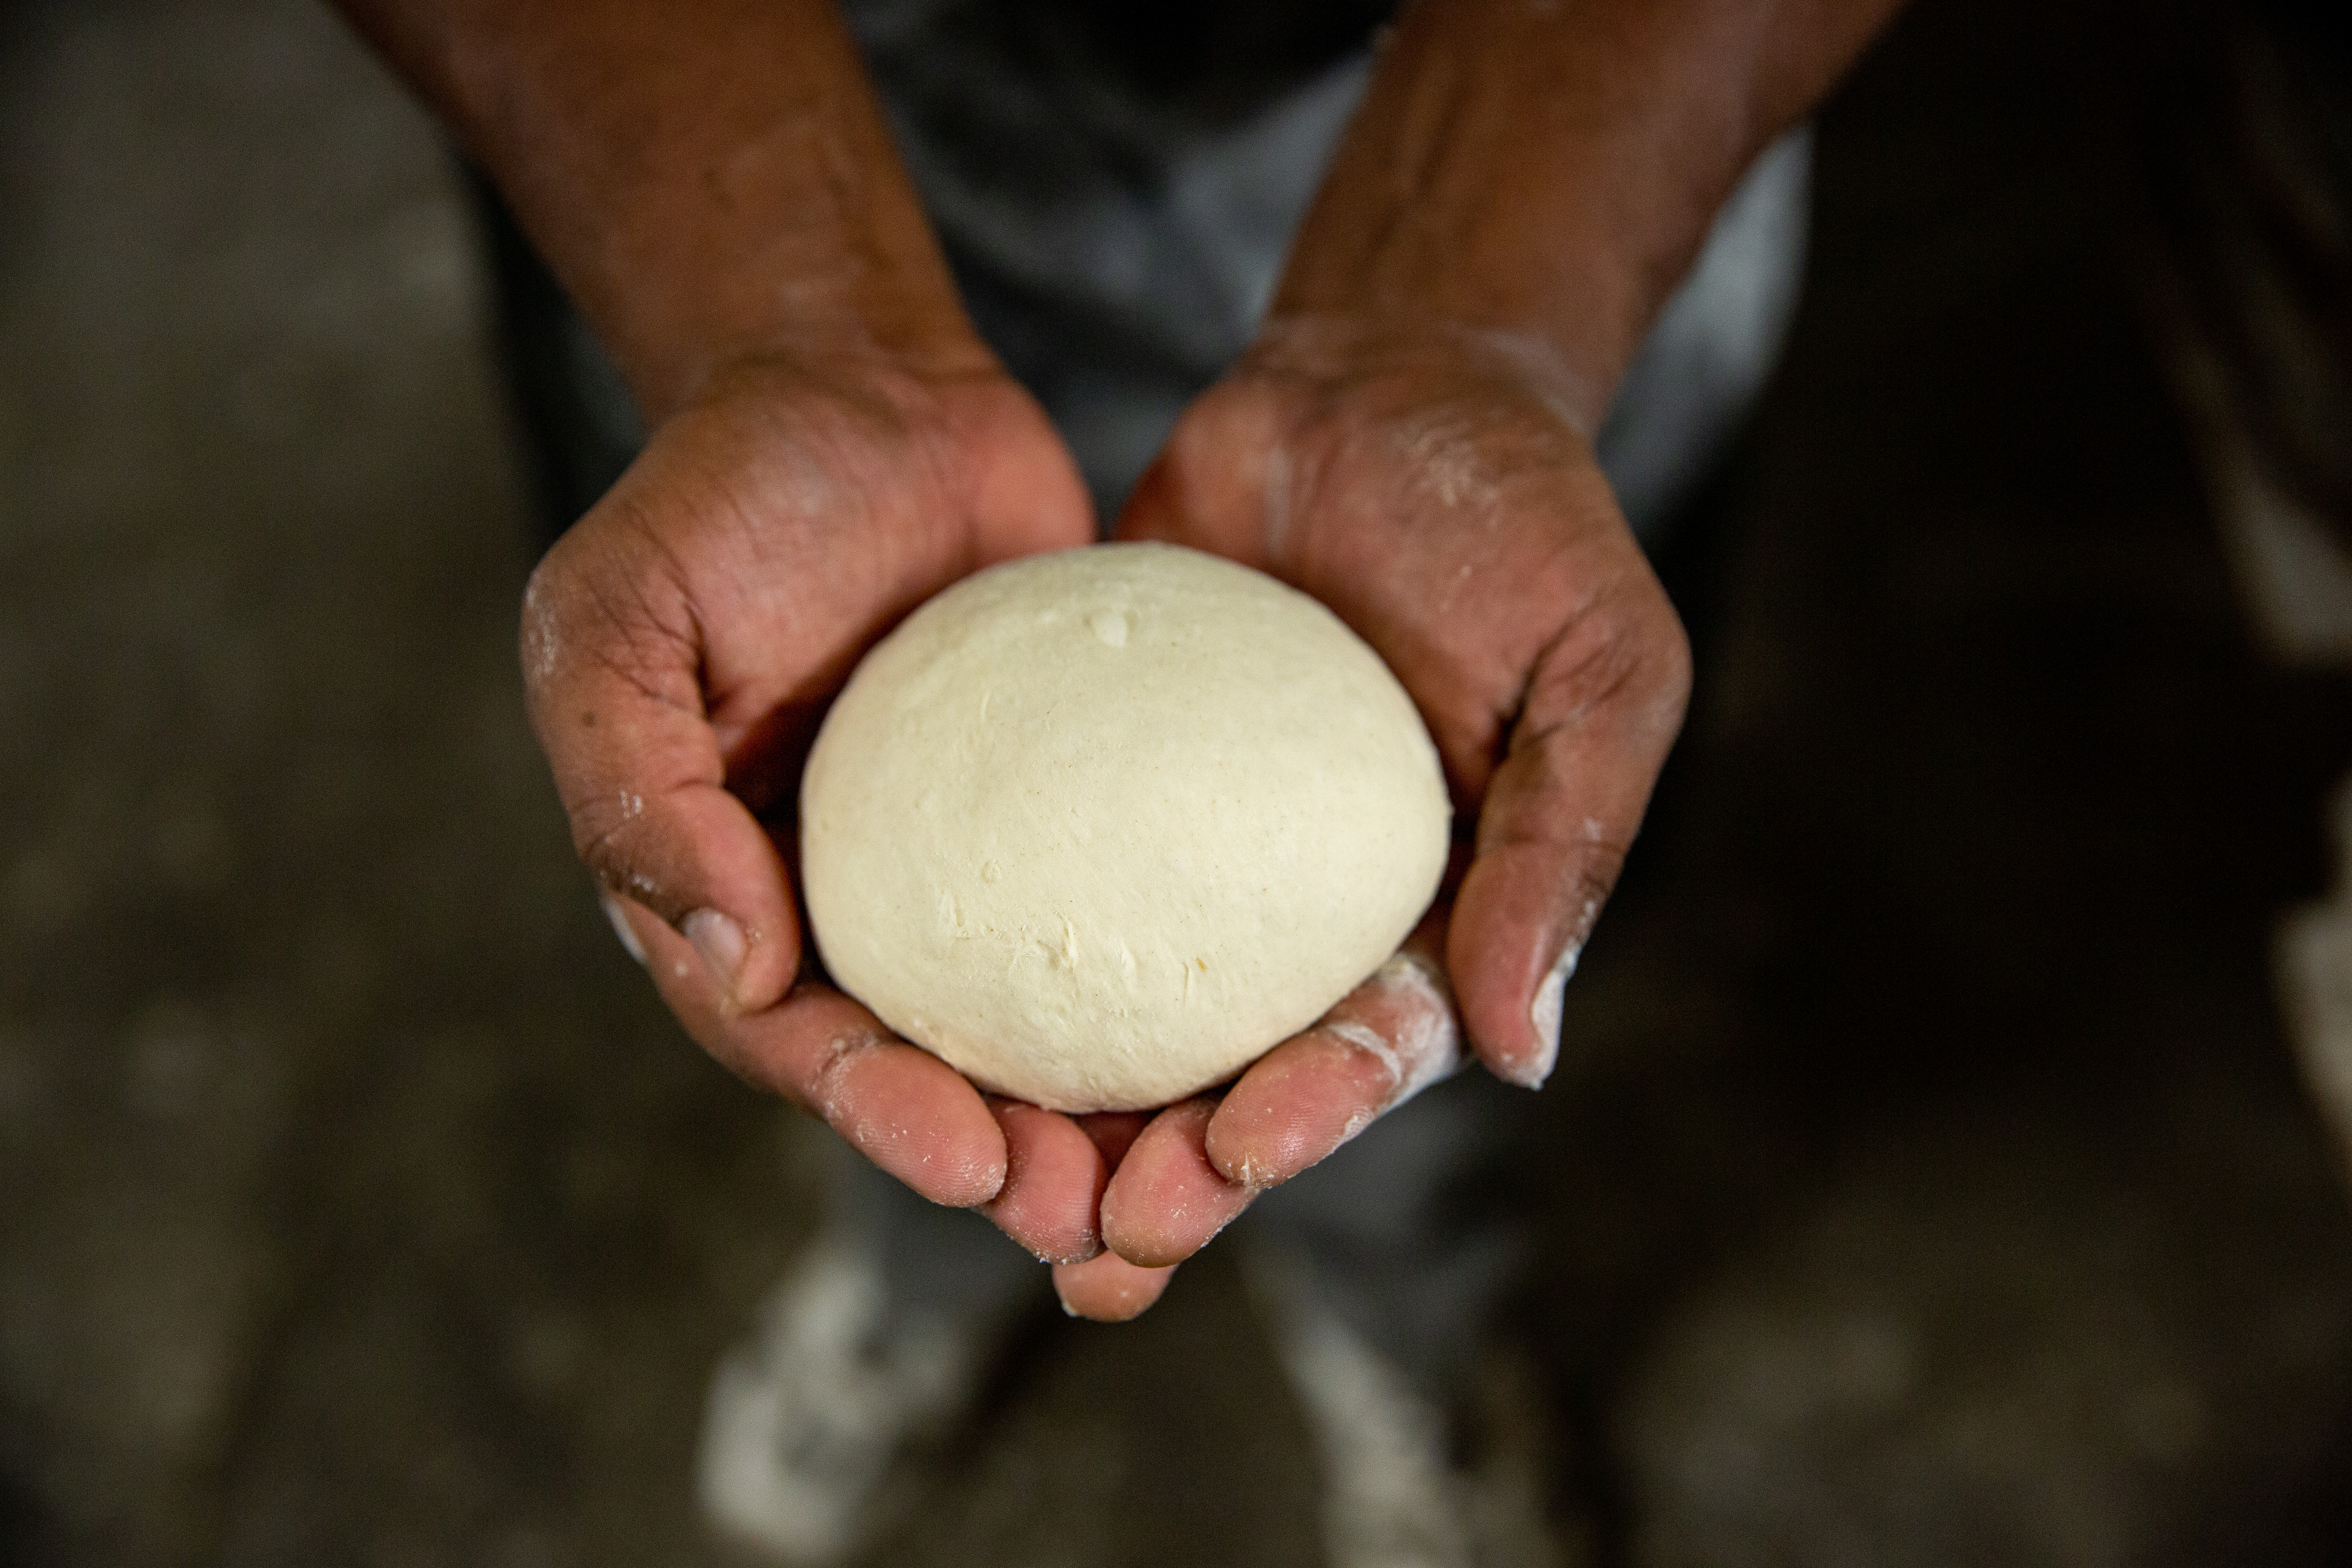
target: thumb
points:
(1603, 706)
(613, 685)
(1223, 470)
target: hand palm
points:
(679, 645)
(1434, 494)
(683, 640)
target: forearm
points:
(711, 179)
(1550, 170)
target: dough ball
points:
(1098, 828)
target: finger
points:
(1054, 1181)
(1385, 1042)
(1603, 706)
(911, 1113)
(1025, 491)
(1115, 1132)
(1109, 1289)
(1166, 1200)
(616, 698)
(1216, 479)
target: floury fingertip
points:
(621, 928)
(1544, 1012)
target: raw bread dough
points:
(1100, 827)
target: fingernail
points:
(1543, 1014)
(629, 942)
(719, 941)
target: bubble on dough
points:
(1098, 828)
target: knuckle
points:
(1625, 658)
(607, 835)
(1631, 642)
(1402, 1022)
(1672, 645)
(1587, 668)
(602, 818)
(617, 875)
(828, 1092)
(542, 636)
(609, 605)
(1675, 667)
(1367, 1045)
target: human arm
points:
(713, 182)
(1410, 440)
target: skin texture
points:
(1409, 441)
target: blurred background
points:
(1941, 1170)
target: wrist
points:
(1426, 348)
(802, 241)
(711, 180)
(852, 337)
(1549, 172)
(797, 239)
(849, 369)
(1505, 174)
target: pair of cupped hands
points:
(1434, 485)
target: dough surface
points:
(1100, 827)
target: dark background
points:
(1929, 1181)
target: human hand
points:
(679, 646)
(1436, 489)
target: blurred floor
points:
(1932, 1185)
